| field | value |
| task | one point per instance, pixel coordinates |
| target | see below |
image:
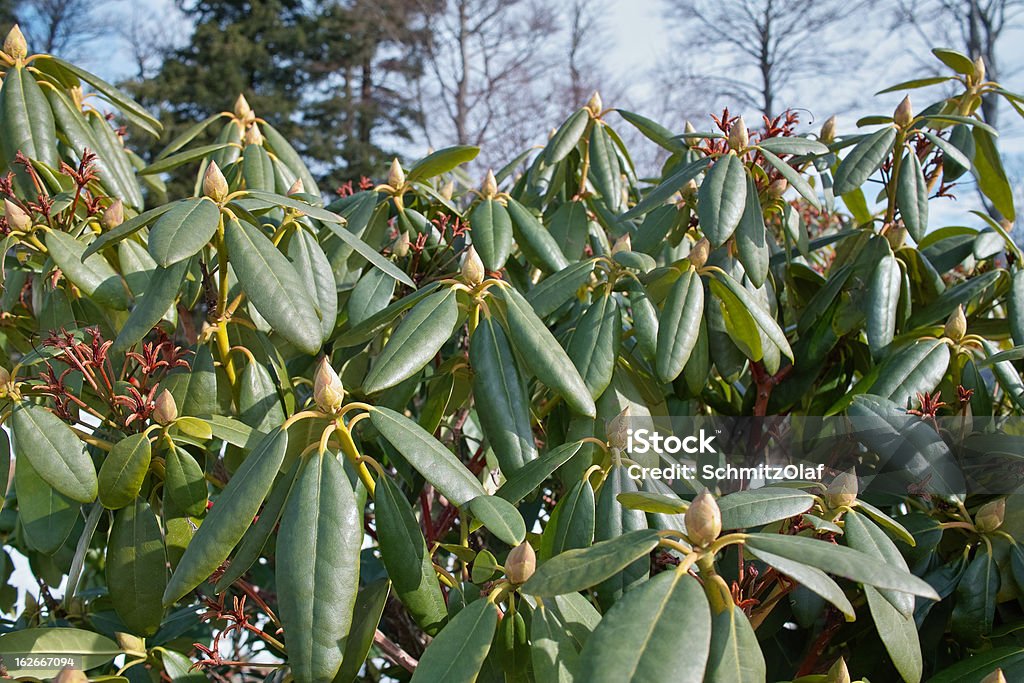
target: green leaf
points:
(653, 131)
(527, 478)
(416, 340)
(976, 667)
(988, 168)
(841, 561)
(543, 354)
(795, 145)
(758, 507)
(283, 150)
(751, 238)
(863, 160)
(230, 516)
(500, 517)
(366, 617)
(321, 533)
(273, 286)
(793, 177)
(811, 578)
(368, 253)
(641, 636)
(370, 296)
(502, 404)
(957, 61)
(915, 369)
(553, 651)
(604, 167)
(569, 226)
(160, 295)
(185, 482)
(864, 536)
(169, 163)
(949, 151)
(975, 606)
(46, 516)
(572, 522)
(912, 196)
(883, 304)
(765, 321)
(28, 125)
(581, 568)
(94, 649)
(679, 325)
(534, 240)
(458, 652)
(898, 633)
(93, 275)
(437, 464)
(655, 503)
(129, 227)
(492, 233)
(136, 569)
(441, 161)
(562, 286)
(565, 138)
(915, 83)
(369, 328)
(56, 454)
(123, 471)
(259, 405)
(735, 655)
(668, 187)
(309, 257)
(594, 346)
(721, 199)
(405, 555)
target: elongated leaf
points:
(536, 243)
(441, 161)
(976, 593)
(735, 654)
(321, 533)
(679, 325)
(653, 131)
(576, 570)
(94, 649)
(491, 233)
(793, 177)
(604, 167)
(160, 295)
(230, 516)
(129, 227)
(368, 253)
(988, 168)
(55, 452)
(503, 406)
(185, 481)
(668, 187)
(841, 561)
(792, 145)
(572, 523)
(884, 298)
(721, 199)
(809, 577)
(765, 321)
(500, 517)
(1008, 658)
(527, 478)
(28, 125)
(863, 535)
(565, 138)
(367, 613)
(544, 355)
(751, 238)
(415, 342)
(641, 636)
(553, 651)
(274, 287)
(916, 369)
(46, 515)
(912, 196)
(136, 568)
(169, 163)
(949, 151)
(898, 634)
(370, 296)
(283, 150)
(310, 258)
(93, 275)
(555, 290)
(123, 471)
(437, 464)
(758, 507)
(863, 160)
(594, 346)
(458, 652)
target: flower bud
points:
(520, 563)
(166, 410)
(15, 45)
(996, 676)
(243, 112)
(956, 324)
(595, 105)
(17, 219)
(778, 188)
(690, 189)
(328, 392)
(297, 187)
(5, 377)
(129, 642)
(113, 216)
(843, 490)
(617, 431)
(738, 136)
(688, 129)
(990, 515)
(838, 673)
(904, 113)
(896, 235)
(401, 246)
(979, 69)
(490, 186)
(703, 519)
(70, 675)
(396, 176)
(828, 130)
(698, 255)
(448, 189)
(624, 243)
(215, 185)
(472, 267)
(253, 136)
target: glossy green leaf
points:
(721, 199)
(565, 138)
(376, 323)
(556, 289)
(543, 354)
(367, 614)
(321, 532)
(604, 167)
(185, 481)
(751, 238)
(764, 320)
(792, 145)
(492, 233)
(283, 150)
(503, 406)
(183, 231)
(792, 176)
(594, 345)
(94, 649)
(259, 405)
(93, 275)
(912, 196)
(641, 636)
(569, 227)
(437, 464)
(416, 340)
(657, 196)
(406, 557)
(553, 651)
(652, 130)
(129, 227)
(458, 652)
(957, 61)
(309, 257)
(975, 606)
(916, 369)
(441, 161)
(988, 168)
(370, 296)
(123, 471)
(735, 655)
(572, 522)
(1008, 658)
(46, 516)
(136, 569)
(160, 295)
(171, 162)
(231, 515)
(899, 635)
(273, 286)
(679, 325)
(863, 160)
(56, 454)
(500, 517)
(527, 478)
(758, 507)
(578, 569)
(534, 240)
(863, 535)
(882, 307)
(28, 125)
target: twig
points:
(394, 652)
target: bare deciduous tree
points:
(62, 27)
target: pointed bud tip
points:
(828, 130)
(904, 113)
(990, 516)
(396, 176)
(165, 409)
(996, 676)
(617, 430)
(16, 216)
(328, 391)
(243, 112)
(14, 44)
(703, 519)
(699, 253)
(401, 246)
(473, 272)
(490, 185)
(215, 185)
(843, 489)
(594, 104)
(297, 187)
(253, 136)
(738, 135)
(520, 563)
(838, 673)
(956, 324)
(114, 215)
(624, 243)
